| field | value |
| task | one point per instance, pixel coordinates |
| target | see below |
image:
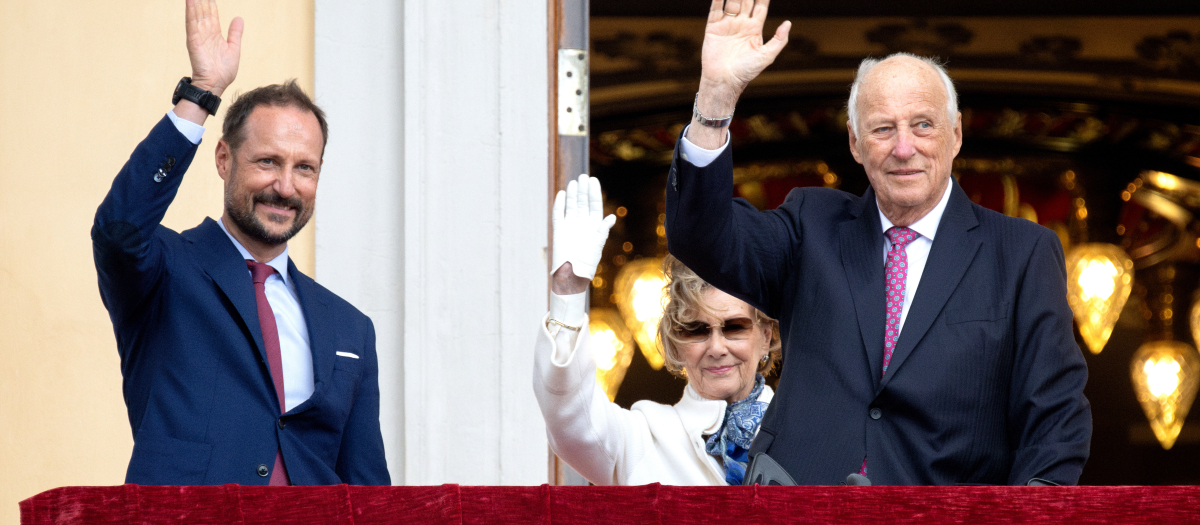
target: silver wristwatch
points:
(710, 122)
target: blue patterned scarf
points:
(731, 443)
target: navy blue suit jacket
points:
(201, 403)
(986, 383)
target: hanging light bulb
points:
(639, 296)
(1099, 279)
(1194, 319)
(612, 348)
(1165, 377)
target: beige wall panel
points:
(81, 83)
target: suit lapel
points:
(953, 249)
(320, 336)
(221, 261)
(862, 258)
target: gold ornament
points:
(1165, 377)
(639, 297)
(612, 348)
(1099, 279)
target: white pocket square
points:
(347, 354)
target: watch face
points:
(178, 94)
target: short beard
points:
(249, 224)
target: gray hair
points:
(869, 63)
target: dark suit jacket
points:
(986, 383)
(201, 403)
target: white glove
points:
(580, 227)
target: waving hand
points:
(734, 53)
(214, 58)
(580, 230)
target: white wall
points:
(433, 219)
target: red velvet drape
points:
(653, 504)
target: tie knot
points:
(259, 271)
(901, 235)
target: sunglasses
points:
(738, 329)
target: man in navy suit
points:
(237, 367)
(927, 340)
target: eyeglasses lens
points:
(696, 332)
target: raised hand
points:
(580, 230)
(734, 53)
(214, 58)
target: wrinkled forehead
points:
(902, 82)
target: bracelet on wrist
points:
(706, 121)
(562, 324)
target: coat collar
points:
(320, 334)
(861, 242)
(279, 263)
(702, 416)
(219, 258)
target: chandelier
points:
(1165, 376)
(1099, 279)
(639, 296)
(612, 348)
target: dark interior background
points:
(1035, 135)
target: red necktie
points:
(270, 334)
(895, 276)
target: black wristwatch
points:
(205, 99)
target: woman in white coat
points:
(719, 343)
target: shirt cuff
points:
(190, 130)
(568, 309)
(700, 157)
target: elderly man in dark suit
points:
(237, 367)
(927, 340)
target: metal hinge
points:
(572, 92)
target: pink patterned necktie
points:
(895, 274)
(270, 332)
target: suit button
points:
(263, 471)
(281, 423)
(876, 413)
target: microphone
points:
(857, 479)
(766, 471)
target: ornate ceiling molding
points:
(1145, 59)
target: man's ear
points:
(853, 141)
(224, 158)
(957, 133)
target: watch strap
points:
(184, 90)
(719, 122)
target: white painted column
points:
(432, 219)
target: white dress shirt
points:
(917, 250)
(294, 347)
